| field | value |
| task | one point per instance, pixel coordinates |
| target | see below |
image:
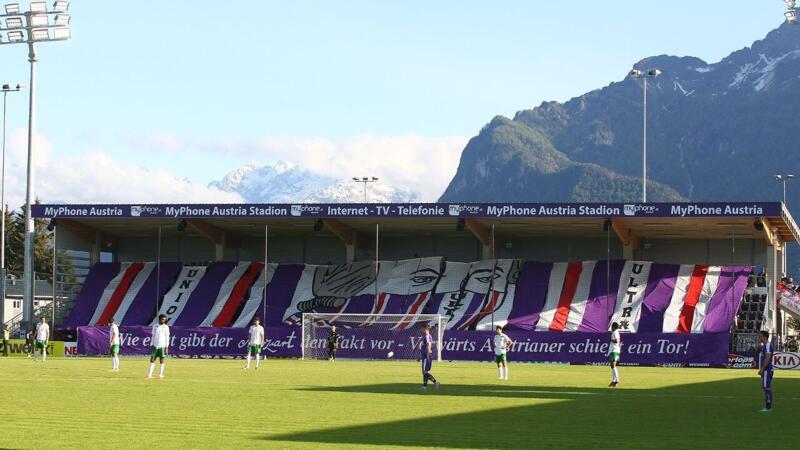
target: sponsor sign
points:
(70, 349)
(786, 360)
(708, 349)
(421, 210)
(19, 347)
(741, 361)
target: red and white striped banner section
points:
(231, 294)
(120, 292)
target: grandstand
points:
(681, 273)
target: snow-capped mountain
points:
(284, 182)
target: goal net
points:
(371, 336)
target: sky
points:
(151, 104)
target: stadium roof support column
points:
(345, 234)
(630, 242)
(483, 234)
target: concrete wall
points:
(704, 251)
(325, 249)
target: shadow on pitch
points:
(698, 415)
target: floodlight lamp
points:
(39, 21)
(61, 34)
(38, 7)
(635, 73)
(779, 177)
(21, 85)
(15, 36)
(374, 178)
(6, 87)
(14, 22)
(789, 3)
(355, 179)
(12, 8)
(791, 16)
(365, 179)
(654, 72)
(60, 6)
(61, 20)
(40, 35)
(790, 176)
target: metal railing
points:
(56, 311)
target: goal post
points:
(371, 336)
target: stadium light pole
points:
(791, 12)
(53, 227)
(266, 272)
(6, 89)
(644, 75)
(365, 181)
(784, 178)
(30, 27)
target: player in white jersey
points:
(113, 344)
(255, 341)
(501, 345)
(42, 337)
(159, 345)
(614, 351)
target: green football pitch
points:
(350, 404)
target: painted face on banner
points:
(450, 287)
(414, 276)
(334, 285)
(480, 276)
(500, 299)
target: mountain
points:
(715, 132)
(286, 183)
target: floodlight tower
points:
(791, 12)
(365, 181)
(37, 24)
(652, 73)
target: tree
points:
(42, 249)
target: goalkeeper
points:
(333, 343)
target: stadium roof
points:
(629, 221)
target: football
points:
(390, 354)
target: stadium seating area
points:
(751, 314)
(524, 295)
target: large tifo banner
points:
(560, 297)
(707, 349)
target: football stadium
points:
(690, 285)
(545, 283)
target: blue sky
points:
(188, 89)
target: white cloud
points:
(421, 164)
(94, 177)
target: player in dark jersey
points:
(765, 368)
(427, 358)
(333, 343)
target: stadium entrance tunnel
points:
(718, 414)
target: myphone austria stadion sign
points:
(418, 210)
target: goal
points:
(371, 336)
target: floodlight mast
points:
(644, 75)
(791, 12)
(29, 27)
